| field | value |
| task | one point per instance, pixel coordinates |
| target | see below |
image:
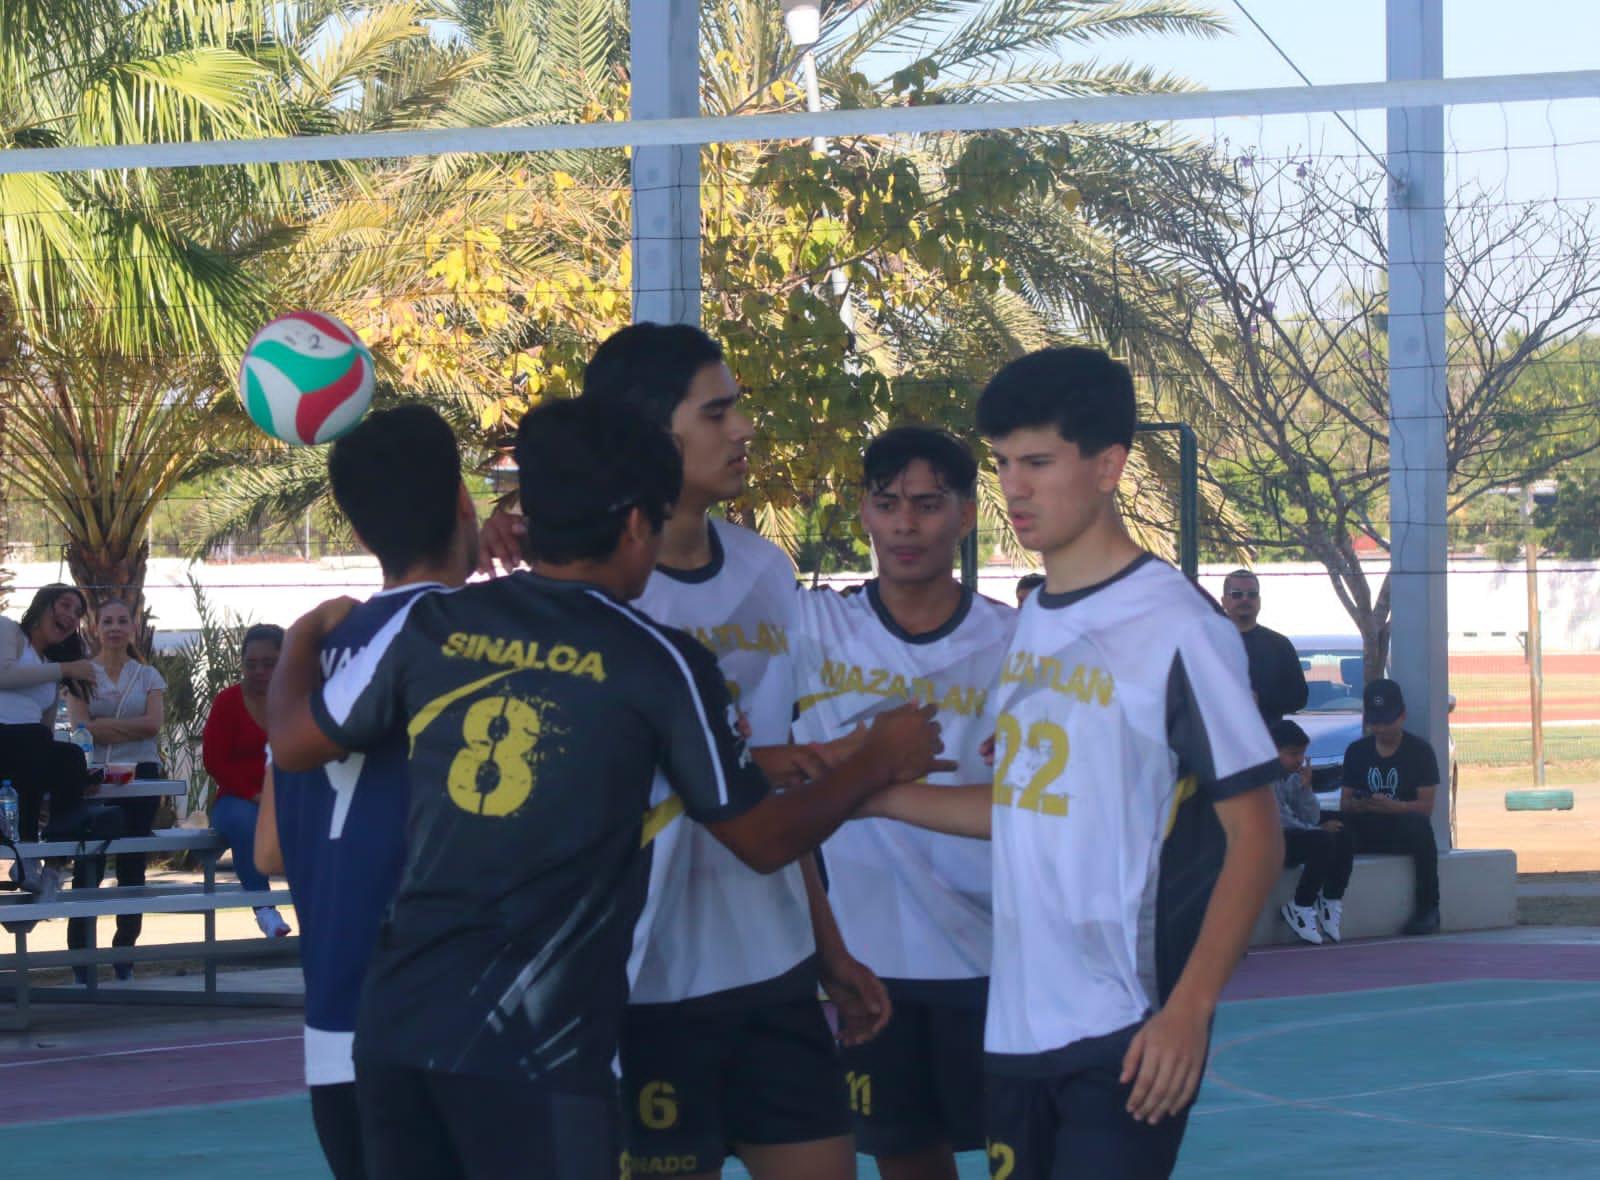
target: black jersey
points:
(538, 712)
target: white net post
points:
(666, 177)
(1417, 389)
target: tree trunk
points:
(115, 571)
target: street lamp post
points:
(802, 20)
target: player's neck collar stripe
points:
(963, 608)
(1056, 601)
(706, 572)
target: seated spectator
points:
(234, 748)
(1323, 847)
(1387, 803)
(123, 715)
(37, 656)
(1026, 585)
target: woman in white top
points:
(124, 716)
(37, 656)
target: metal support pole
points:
(969, 560)
(1535, 639)
(1417, 393)
(1188, 492)
(1188, 501)
(666, 180)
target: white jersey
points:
(1124, 714)
(911, 904)
(711, 924)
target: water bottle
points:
(8, 810)
(63, 726)
(84, 741)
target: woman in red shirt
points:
(234, 748)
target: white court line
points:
(142, 1052)
(1265, 1099)
(1359, 1017)
(1482, 1077)
(1326, 1108)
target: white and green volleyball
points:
(306, 378)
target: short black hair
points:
(1082, 392)
(582, 464)
(261, 633)
(888, 455)
(1286, 735)
(649, 368)
(397, 476)
(1027, 584)
(1241, 572)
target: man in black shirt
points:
(1275, 673)
(1387, 802)
(539, 707)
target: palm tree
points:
(126, 297)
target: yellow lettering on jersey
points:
(1084, 682)
(842, 679)
(661, 1165)
(495, 649)
(729, 637)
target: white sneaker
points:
(1302, 920)
(1331, 915)
(271, 922)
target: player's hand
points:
(325, 616)
(1165, 1063)
(835, 753)
(906, 743)
(986, 751)
(500, 540)
(858, 996)
(790, 766)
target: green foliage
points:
(195, 673)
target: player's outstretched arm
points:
(1168, 1056)
(268, 853)
(955, 811)
(297, 741)
(902, 744)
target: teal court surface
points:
(1460, 1057)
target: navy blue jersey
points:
(343, 833)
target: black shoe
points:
(1423, 922)
(124, 971)
(81, 975)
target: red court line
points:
(52, 1083)
(1381, 963)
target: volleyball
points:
(306, 378)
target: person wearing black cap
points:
(1389, 780)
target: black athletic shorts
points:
(417, 1124)
(337, 1117)
(919, 1082)
(698, 1081)
(1063, 1116)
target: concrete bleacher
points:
(1477, 888)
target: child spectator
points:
(1324, 848)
